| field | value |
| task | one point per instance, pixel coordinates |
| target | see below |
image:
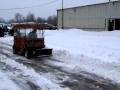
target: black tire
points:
(28, 54)
(2, 34)
(15, 51)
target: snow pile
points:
(79, 63)
(94, 52)
(100, 45)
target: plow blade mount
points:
(44, 52)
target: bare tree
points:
(18, 17)
(52, 20)
(12, 21)
(2, 20)
(55, 20)
(40, 20)
(30, 17)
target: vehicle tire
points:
(28, 54)
(15, 51)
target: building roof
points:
(89, 5)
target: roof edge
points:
(88, 5)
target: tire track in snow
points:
(22, 82)
(48, 83)
(75, 82)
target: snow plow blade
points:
(43, 52)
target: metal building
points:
(103, 16)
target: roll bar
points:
(29, 26)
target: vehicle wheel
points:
(15, 51)
(28, 54)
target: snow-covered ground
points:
(93, 52)
(6, 83)
(39, 80)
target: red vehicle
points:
(29, 40)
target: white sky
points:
(41, 11)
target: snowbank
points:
(100, 45)
(93, 52)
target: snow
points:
(41, 81)
(7, 40)
(100, 45)
(6, 83)
(93, 52)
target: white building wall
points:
(89, 17)
(115, 10)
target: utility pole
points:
(62, 16)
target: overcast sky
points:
(41, 11)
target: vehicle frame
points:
(29, 46)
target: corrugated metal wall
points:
(89, 17)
